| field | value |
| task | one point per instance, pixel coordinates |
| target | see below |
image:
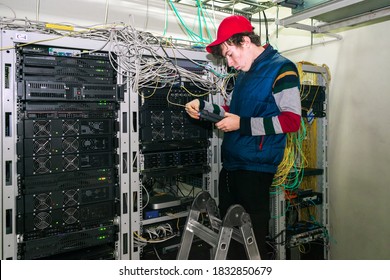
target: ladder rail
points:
(188, 236)
(235, 225)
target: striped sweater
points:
(286, 94)
(266, 98)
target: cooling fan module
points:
(70, 145)
(71, 198)
(42, 165)
(70, 163)
(157, 118)
(42, 220)
(42, 128)
(70, 127)
(42, 202)
(70, 216)
(41, 146)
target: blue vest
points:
(252, 97)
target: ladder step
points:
(203, 232)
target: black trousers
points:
(251, 190)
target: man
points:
(265, 105)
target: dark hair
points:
(236, 40)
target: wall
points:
(359, 120)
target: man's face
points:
(237, 57)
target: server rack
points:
(170, 151)
(293, 234)
(60, 150)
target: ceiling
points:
(329, 14)
(316, 16)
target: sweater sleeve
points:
(286, 94)
(211, 107)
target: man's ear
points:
(245, 41)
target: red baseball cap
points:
(230, 26)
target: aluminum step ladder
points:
(236, 224)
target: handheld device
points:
(208, 116)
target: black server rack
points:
(67, 153)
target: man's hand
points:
(230, 122)
(192, 108)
